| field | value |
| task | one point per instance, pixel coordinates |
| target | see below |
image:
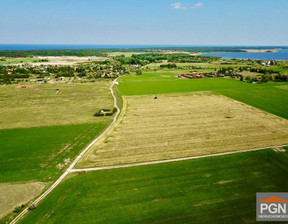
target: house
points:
(273, 62)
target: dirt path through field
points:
(172, 160)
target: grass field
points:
(35, 153)
(39, 105)
(156, 83)
(18, 60)
(183, 125)
(179, 64)
(211, 190)
(126, 54)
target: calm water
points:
(280, 55)
(57, 47)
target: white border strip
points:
(171, 160)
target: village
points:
(57, 73)
(88, 69)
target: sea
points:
(281, 54)
(74, 46)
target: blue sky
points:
(145, 22)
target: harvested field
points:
(13, 195)
(182, 125)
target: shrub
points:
(18, 208)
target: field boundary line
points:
(172, 160)
(60, 179)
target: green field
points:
(155, 83)
(18, 60)
(34, 153)
(126, 54)
(211, 190)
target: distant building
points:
(40, 80)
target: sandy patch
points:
(260, 50)
(64, 60)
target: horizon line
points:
(170, 45)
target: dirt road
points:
(170, 160)
(60, 179)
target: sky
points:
(145, 22)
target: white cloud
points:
(178, 5)
(182, 6)
(198, 5)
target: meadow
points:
(211, 190)
(184, 125)
(167, 82)
(40, 105)
(18, 60)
